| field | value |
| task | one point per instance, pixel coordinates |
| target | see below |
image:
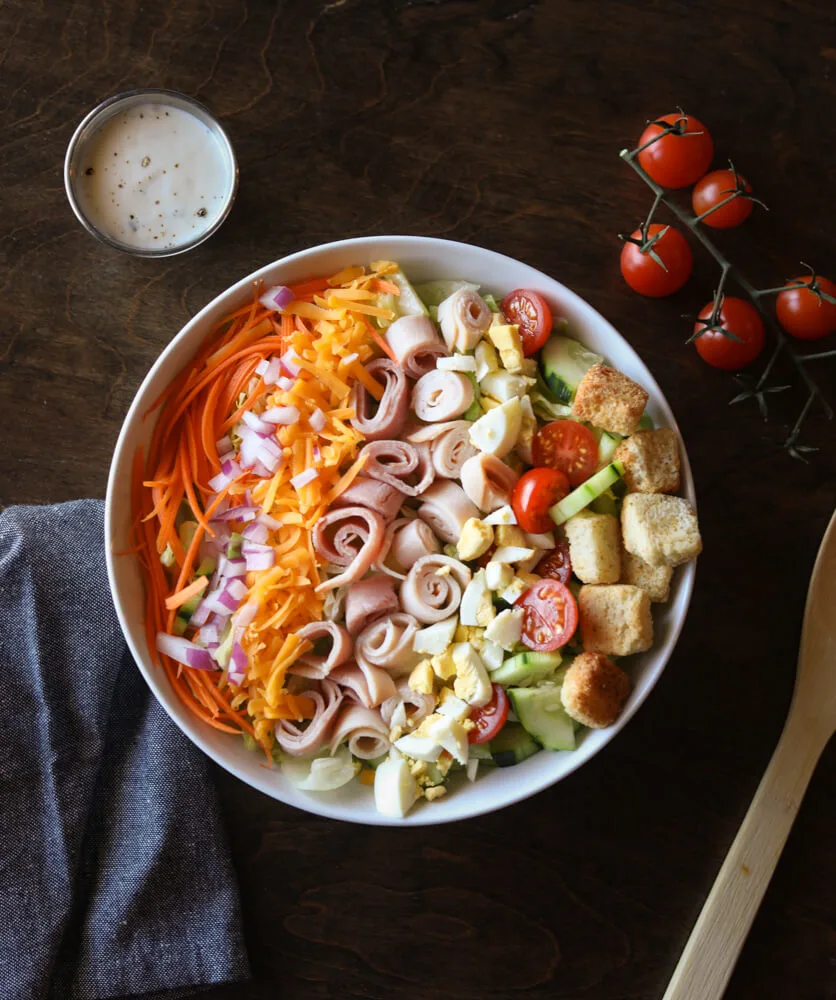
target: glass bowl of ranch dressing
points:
(151, 172)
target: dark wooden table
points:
(498, 123)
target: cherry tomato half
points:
(803, 314)
(557, 565)
(646, 275)
(677, 161)
(740, 318)
(530, 311)
(536, 491)
(568, 446)
(550, 615)
(489, 718)
(715, 188)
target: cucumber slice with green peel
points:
(607, 503)
(526, 668)
(233, 549)
(180, 625)
(607, 444)
(564, 362)
(433, 293)
(646, 422)
(512, 745)
(480, 751)
(542, 714)
(586, 493)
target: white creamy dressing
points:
(153, 177)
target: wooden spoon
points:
(717, 938)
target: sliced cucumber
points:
(433, 293)
(512, 745)
(586, 492)
(646, 422)
(607, 503)
(491, 303)
(526, 668)
(564, 363)
(233, 549)
(606, 448)
(408, 303)
(542, 714)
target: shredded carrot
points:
(187, 593)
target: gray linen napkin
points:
(115, 877)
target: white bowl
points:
(422, 259)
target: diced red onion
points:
(317, 420)
(224, 445)
(219, 482)
(246, 614)
(256, 531)
(284, 415)
(274, 370)
(231, 469)
(258, 561)
(317, 453)
(264, 471)
(268, 521)
(249, 547)
(184, 651)
(270, 446)
(283, 382)
(237, 590)
(226, 599)
(256, 423)
(200, 615)
(290, 362)
(237, 514)
(235, 567)
(261, 367)
(208, 634)
(308, 476)
(277, 298)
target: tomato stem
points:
(754, 294)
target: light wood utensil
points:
(706, 964)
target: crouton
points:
(660, 529)
(594, 547)
(655, 581)
(651, 461)
(594, 690)
(608, 399)
(615, 619)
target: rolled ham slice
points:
(368, 685)
(450, 450)
(488, 481)
(365, 730)
(441, 396)
(407, 539)
(298, 742)
(387, 643)
(416, 344)
(406, 467)
(417, 706)
(384, 419)
(463, 316)
(316, 665)
(372, 493)
(350, 537)
(369, 599)
(445, 507)
(433, 588)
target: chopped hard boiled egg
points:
(452, 706)
(542, 540)
(503, 516)
(435, 638)
(506, 339)
(477, 604)
(497, 431)
(395, 790)
(510, 534)
(443, 666)
(476, 538)
(492, 654)
(505, 630)
(422, 678)
(457, 363)
(498, 575)
(472, 683)
(514, 590)
(512, 554)
(436, 733)
(528, 428)
(486, 359)
(504, 386)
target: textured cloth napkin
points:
(115, 875)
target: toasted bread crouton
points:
(608, 399)
(651, 461)
(594, 547)
(594, 690)
(615, 619)
(660, 529)
(655, 581)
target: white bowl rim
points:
(320, 805)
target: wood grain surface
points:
(495, 122)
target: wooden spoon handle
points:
(717, 938)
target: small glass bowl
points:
(91, 124)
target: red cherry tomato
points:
(550, 615)
(676, 161)
(536, 491)
(740, 318)
(715, 188)
(646, 275)
(530, 311)
(803, 314)
(489, 718)
(568, 446)
(556, 565)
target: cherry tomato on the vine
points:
(568, 446)
(676, 160)
(804, 314)
(536, 491)
(643, 272)
(739, 318)
(713, 189)
(530, 311)
(490, 718)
